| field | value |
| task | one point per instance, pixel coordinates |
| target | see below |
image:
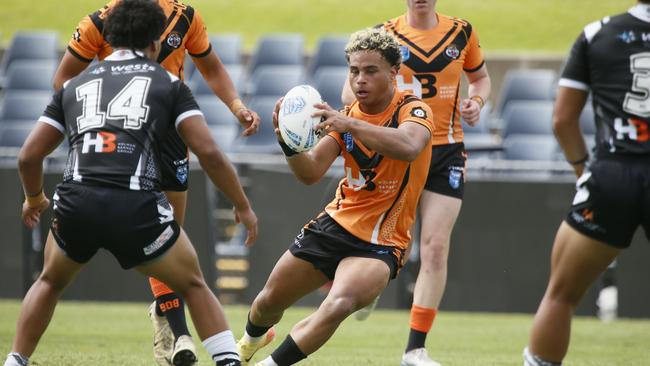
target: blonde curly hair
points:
(375, 39)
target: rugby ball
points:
(295, 119)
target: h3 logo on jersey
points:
(99, 142)
(634, 129)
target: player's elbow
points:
(560, 122)
(208, 153)
(27, 160)
(308, 178)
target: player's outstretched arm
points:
(566, 114)
(40, 143)
(309, 167)
(402, 143)
(215, 74)
(197, 136)
(69, 67)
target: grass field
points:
(504, 25)
(120, 334)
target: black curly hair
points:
(134, 24)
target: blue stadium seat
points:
(228, 47)
(329, 80)
(528, 117)
(329, 52)
(43, 45)
(215, 111)
(23, 105)
(278, 49)
(587, 120)
(538, 84)
(188, 68)
(199, 86)
(265, 140)
(31, 75)
(275, 81)
(14, 135)
(531, 147)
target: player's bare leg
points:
(41, 299)
(438, 215)
(576, 262)
(291, 279)
(179, 268)
(172, 340)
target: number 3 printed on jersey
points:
(128, 105)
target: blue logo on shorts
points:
(454, 178)
(381, 251)
(181, 171)
(406, 53)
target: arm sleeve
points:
(418, 112)
(87, 40)
(184, 104)
(576, 70)
(198, 42)
(53, 114)
(474, 56)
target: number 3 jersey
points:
(612, 59)
(115, 115)
(433, 62)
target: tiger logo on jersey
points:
(174, 40)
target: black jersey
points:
(612, 59)
(115, 114)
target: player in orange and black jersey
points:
(359, 239)
(116, 116)
(609, 60)
(184, 32)
(436, 51)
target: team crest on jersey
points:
(419, 112)
(406, 53)
(174, 40)
(627, 36)
(452, 51)
(76, 35)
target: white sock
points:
(221, 346)
(533, 360)
(248, 338)
(15, 359)
(268, 362)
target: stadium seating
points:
(228, 47)
(199, 86)
(23, 105)
(31, 75)
(528, 117)
(222, 123)
(531, 147)
(329, 52)
(14, 135)
(265, 140)
(520, 85)
(275, 81)
(329, 80)
(278, 49)
(42, 45)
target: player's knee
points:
(267, 302)
(190, 286)
(339, 307)
(560, 292)
(52, 283)
(434, 252)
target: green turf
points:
(120, 334)
(504, 25)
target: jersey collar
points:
(123, 54)
(641, 11)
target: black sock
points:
(173, 309)
(254, 330)
(416, 340)
(287, 353)
(229, 362)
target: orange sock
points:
(158, 288)
(422, 318)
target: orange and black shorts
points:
(324, 243)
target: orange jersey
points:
(377, 199)
(432, 64)
(185, 30)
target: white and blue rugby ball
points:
(295, 118)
